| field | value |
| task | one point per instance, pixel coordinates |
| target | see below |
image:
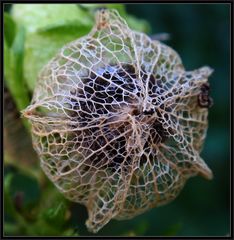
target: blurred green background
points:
(200, 33)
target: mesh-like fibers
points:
(118, 123)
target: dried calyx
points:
(118, 123)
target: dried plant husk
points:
(118, 123)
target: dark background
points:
(200, 33)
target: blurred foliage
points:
(50, 26)
(33, 33)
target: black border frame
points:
(230, 2)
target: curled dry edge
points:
(118, 123)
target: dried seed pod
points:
(118, 123)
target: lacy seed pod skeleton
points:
(118, 123)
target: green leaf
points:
(11, 216)
(49, 27)
(8, 203)
(13, 69)
(38, 16)
(7, 60)
(137, 24)
(42, 46)
(24, 191)
(54, 207)
(56, 214)
(9, 29)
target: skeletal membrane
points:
(116, 121)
